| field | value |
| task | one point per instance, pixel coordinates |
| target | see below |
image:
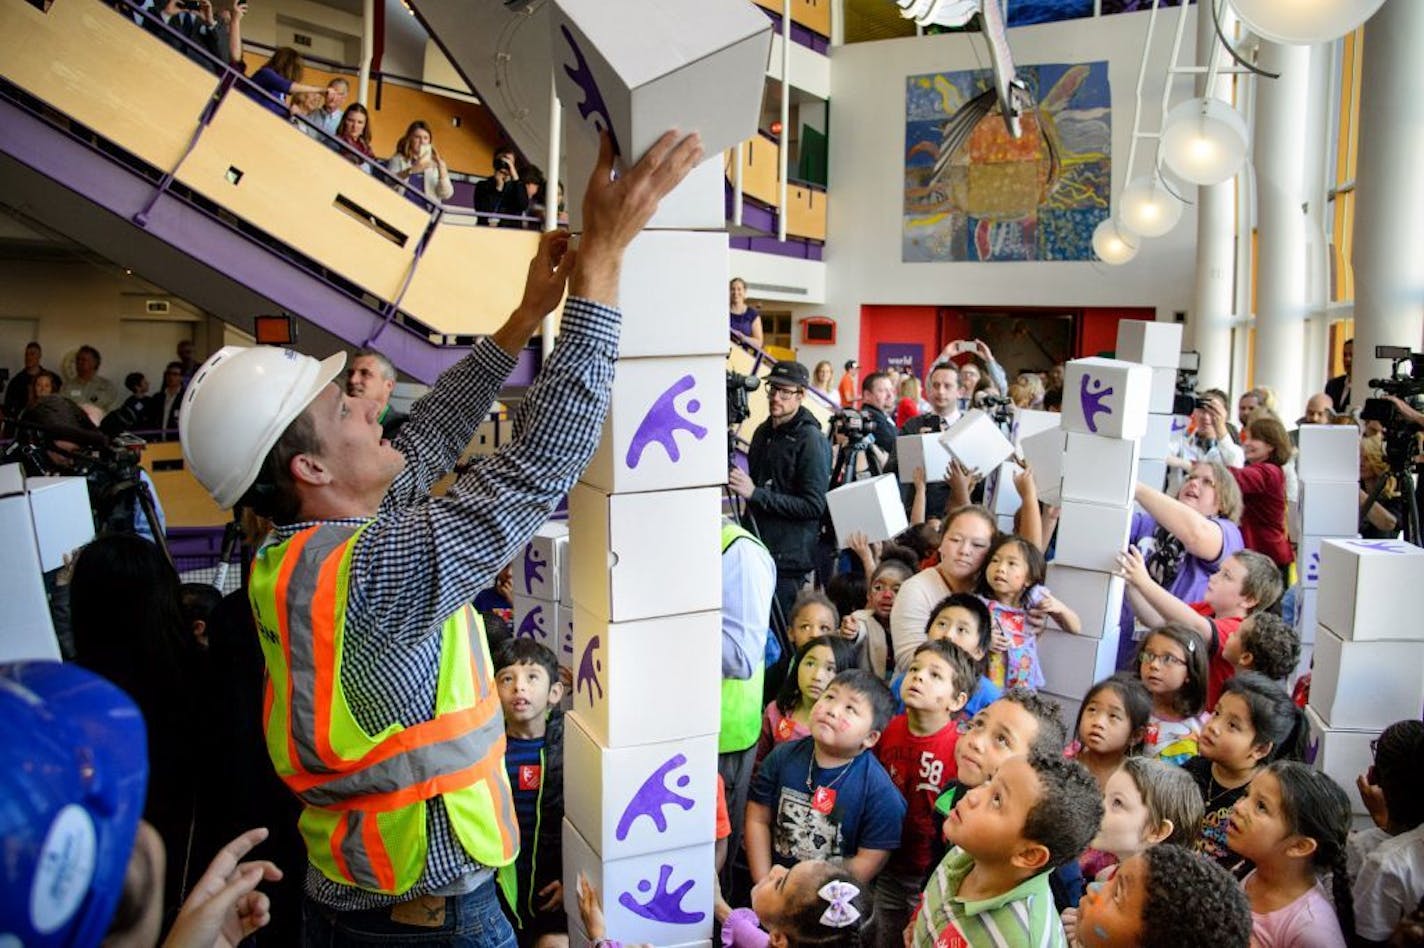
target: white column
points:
(1208, 328)
(368, 48)
(1282, 294)
(1389, 226)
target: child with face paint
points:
(1166, 897)
(817, 661)
(1145, 803)
(823, 796)
(1292, 824)
(963, 619)
(1111, 726)
(869, 628)
(1012, 584)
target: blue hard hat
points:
(73, 773)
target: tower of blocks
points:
(1000, 495)
(644, 520)
(1159, 347)
(1369, 654)
(1327, 464)
(1105, 416)
(543, 596)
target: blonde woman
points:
(912, 401)
(823, 380)
(418, 164)
(744, 319)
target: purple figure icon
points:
(589, 667)
(532, 625)
(592, 103)
(663, 420)
(1312, 748)
(662, 906)
(1381, 546)
(1093, 400)
(568, 642)
(533, 569)
(653, 796)
(1312, 568)
(1178, 424)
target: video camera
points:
(1399, 431)
(1185, 399)
(857, 425)
(738, 386)
(998, 407)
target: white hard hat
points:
(236, 407)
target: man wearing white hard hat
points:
(381, 712)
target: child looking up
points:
(963, 619)
(1246, 582)
(817, 661)
(1389, 861)
(1166, 897)
(869, 629)
(823, 797)
(527, 679)
(1255, 723)
(917, 751)
(1008, 834)
(1012, 585)
(1264, 643)
(1111, 726)
(1171, 662)
(1292, 824)
(812, 615)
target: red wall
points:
(1097, 327)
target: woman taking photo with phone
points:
(419, 165)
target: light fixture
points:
(1147, 208)
(1204, 141)
(1113, 243)
(1304, 21)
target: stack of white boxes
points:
(43, 520)
(1328, 468)
(644, 523)
(1369, 653)
(1000, 495)
(1159, 347)
(1105, 415)
(543, 599)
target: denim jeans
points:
(473, 920)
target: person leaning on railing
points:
(279, 77)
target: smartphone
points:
(425, 151)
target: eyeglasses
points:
(781, 390)
(1149, 657)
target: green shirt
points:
(1023, 916)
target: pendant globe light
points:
(1304, 22)
(1113, 243)
(1204, 141)
(1147, 208)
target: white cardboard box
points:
(1096, 597)
(977, 442)
(566, 636)
(1152, 473)
(538, 619)
(670, 294)
(634, 800)
(1157, 439)
(1090, 536)
(1068, 706)
(1149, 342)
(1341, 754)
(1106, 397)
(1162, 397)
(871, 506)
(1328, 453)
(662, 898)
(1307, 559)
(665, 427)
(63, 522)
(543, 561)
(1073, 663)
(1043, 452)
(1366, 685)
(29, 632)
(1369, 587)
(1099, 470)
(1000, 494)
(921, 450)
(1307, 613)
(624, 692)
(636, 556)
(639, 70)
(1029, 422)
(1329, 508)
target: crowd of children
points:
(940, 799)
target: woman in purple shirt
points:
(1185, 539)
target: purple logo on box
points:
(654, 795)
(1312, 748)
(589, 667)
(1093, 395)
(1382, 546)
(662, 906)
(1178, 424)
(533, 568)
(532, 625)
(569, 637)
(663, 420)
(592, 103)
(1312, 568)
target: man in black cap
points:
(790, 464)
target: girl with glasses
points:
(1171, 661)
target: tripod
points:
(1404, 480)
(847, 467)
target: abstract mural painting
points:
(996, 198)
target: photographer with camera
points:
(943, 396)
(1209, 437)
(501, 192)
(877, 399)
(789, 468)
(1399, 424)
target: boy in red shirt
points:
(917, 750)
(1247, 582)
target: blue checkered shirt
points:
(424, 557)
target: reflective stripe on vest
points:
(365, 795)
(741, 697)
